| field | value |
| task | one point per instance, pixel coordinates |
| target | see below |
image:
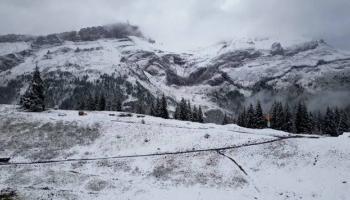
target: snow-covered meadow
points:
(109, 155)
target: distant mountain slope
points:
(119, 61)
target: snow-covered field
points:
(105, 155)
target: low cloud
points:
(183, 24)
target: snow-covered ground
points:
(7, 48)
(107, 155)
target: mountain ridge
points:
(221, 78)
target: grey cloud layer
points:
(186, 23)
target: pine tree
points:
(34, 98)
(200, 115)
(101, 103)
(96, 102)
(302, 121)
(189, 112)
(164, 108)
(177, 112)
(341, 120)
(195, 114)
(337, 116)
(153, 109)
(259, 116)
(251, 122)
(277, 119)
(274, 116)
(318, 122)
(158, 108)
(183, 110)
(226, 120)
(242, 118)
(139, 108)
(81, 104)
(108, 105)
(90, 103)
(343, 125)
(330, 126)
(116, 105)
(299, 119)
(119, 106)
(280, 114)
(312, 122)
(288, 119)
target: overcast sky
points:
(184, 24)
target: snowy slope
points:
(8, 48)
(60, 155)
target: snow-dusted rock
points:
(277, 49)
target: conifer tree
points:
(343, 125)
(119, 105)
(273, 112)
(177, 112)
(96, 102)
(302, 121)
(116, 105)
(81, 104)
(274, 116)
(242, 118)
(34, 98)
(140, 109)
(337, 116)
(330, 126)
(183, 110)
(280, 114)
(101, 103)
(312, 122)
(90, 103)
(153, 109)
(277, 118)
(288, 119)
(158, 108)
(200, 115)
(195, 114)
(226, 120)
(108, 105)
(259, 116)
(318, 122)
(251, 122)
(189, 111)
(164, 108)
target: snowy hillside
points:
(109, 155)
(221, 78)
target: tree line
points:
(298, 119)
(98, 102)
(295, 119)
(85, 99)
(185, 112)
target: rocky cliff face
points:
(120, 62)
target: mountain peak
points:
(116, 30)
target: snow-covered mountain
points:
(221, 78)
